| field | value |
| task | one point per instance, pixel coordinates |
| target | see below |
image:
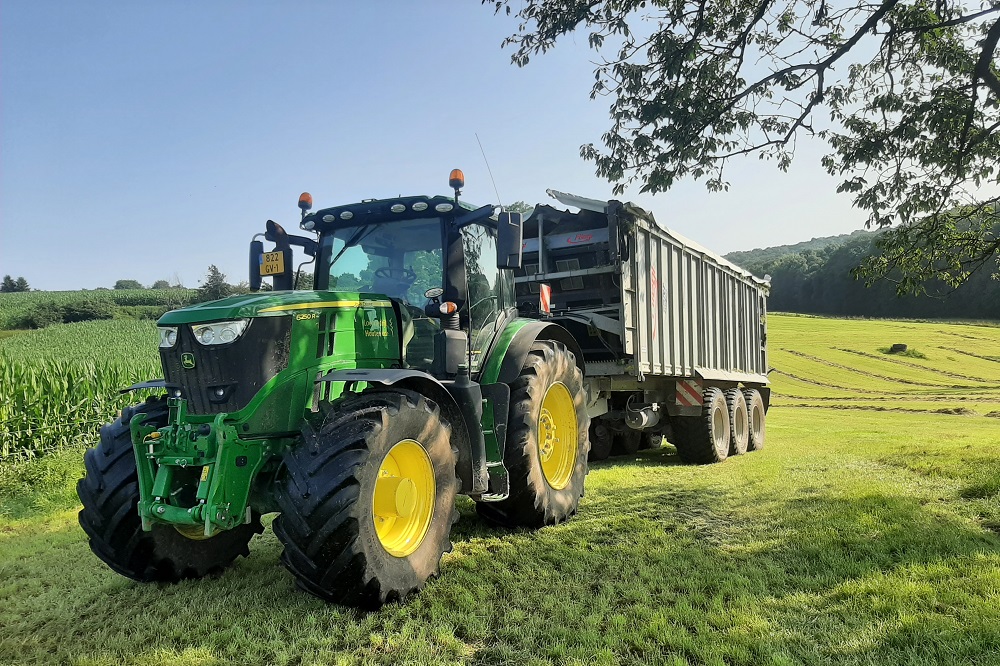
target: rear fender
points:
(506, 360)
(502, 367)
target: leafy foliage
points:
(10, 285)
(821, 280)
(911, 88)
(128, 284)
(520, 207)
(214, 285)
(759, 256)
(304, 281)
(37, 309)
(909, 353)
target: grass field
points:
(858, 536)
(837, 362)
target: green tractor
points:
(356, 411)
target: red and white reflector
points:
(545, 298)
(687, 393)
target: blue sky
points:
(144, 140)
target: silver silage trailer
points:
(668, 329)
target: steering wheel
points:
(401, 274)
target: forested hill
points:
(760, 256)
(815, 277)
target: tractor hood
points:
(271, 304)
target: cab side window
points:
(482, 275)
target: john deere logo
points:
(187, 360)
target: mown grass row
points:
(831, 361)
(58, 385)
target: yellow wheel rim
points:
(193, 532)
(403, 500)
(557, 436)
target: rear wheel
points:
(704, 439)
(601, 440)
(110, 496)
(547, 442)
(368, 501)
(627, 442)
(756, 418)
(739, 429)
(651, 440)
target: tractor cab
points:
(444, 265)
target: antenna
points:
(489, 170)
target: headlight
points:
(220, 332)
(168, 335)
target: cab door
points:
(486, 300)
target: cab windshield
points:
(401, 259)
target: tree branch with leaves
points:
(905, 92)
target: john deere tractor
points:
(356, 410)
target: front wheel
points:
(601, 441)
(627, 442)
(547, 442)
(368, 501)
(110, 496)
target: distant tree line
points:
(819, 280)
(10, 285)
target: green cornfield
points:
(59, 384)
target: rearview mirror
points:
(256, 252)
(510, 240)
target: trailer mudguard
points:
(462, 405)
(503, 365)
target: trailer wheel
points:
(739, 429)
(651, 440)
(110, 496)
(367, 501)
(704, 439)
(627, 442)
(756, 419)
(601, 440)
(547, 442)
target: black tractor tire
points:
(326, 494)
(704, 439)
(756, 419)
(739, 427)
(627, 442)
(601, 440)
(110, 496)
(534, 501)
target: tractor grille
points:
(238, 369)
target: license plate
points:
(272, 263)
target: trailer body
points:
(648, 306)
